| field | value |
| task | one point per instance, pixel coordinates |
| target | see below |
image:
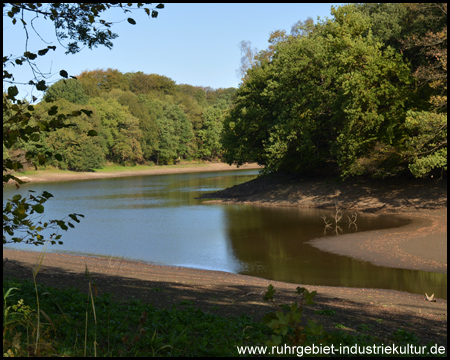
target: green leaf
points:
(7, 75)
(13, 91)
(74, 217)
(38, 208)
(30, 55)
(160, 6)
(46, 195)
(43, 52)
(270, 292)
(41, 85)
(53, 110)
(154, 14)
(131, 21)
(92, 133)
(58, 157)
(62, 224)
(16, 197)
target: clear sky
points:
(196, 44)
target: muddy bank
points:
(389, 195)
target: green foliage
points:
(286, 322)
(146, 112)
(175, 121)
(425, 145)
(336, 95)
(16, 318)
(22, 220)
(389, 21)
(139, 117)
(78, 148)
(149, 126)
(69, 89)
(122, 328)
(119, 129)
(209, 135)
(175, 136)
(141, 83)
(97, 81)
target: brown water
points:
(157, 219)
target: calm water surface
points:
(157, 219)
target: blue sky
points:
(196, 44)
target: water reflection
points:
(273, 243)
(159, 219)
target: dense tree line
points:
(139, 118)
(364, 92)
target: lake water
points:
(158, 219)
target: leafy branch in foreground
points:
(286, 321)
(22, 220)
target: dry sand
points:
(49, 176)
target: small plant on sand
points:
(16, 318)
(23, 333)
(286, 321)
(326, 312)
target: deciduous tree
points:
(333, 96)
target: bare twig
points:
(352, 221)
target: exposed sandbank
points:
(51, 176)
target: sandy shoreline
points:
(49, 176)
(420, 245)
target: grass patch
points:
(132, 328)
(120, 168)
(67, 322)
(111, 168)
(48, 170)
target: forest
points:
(138, 118)
(364, 92)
